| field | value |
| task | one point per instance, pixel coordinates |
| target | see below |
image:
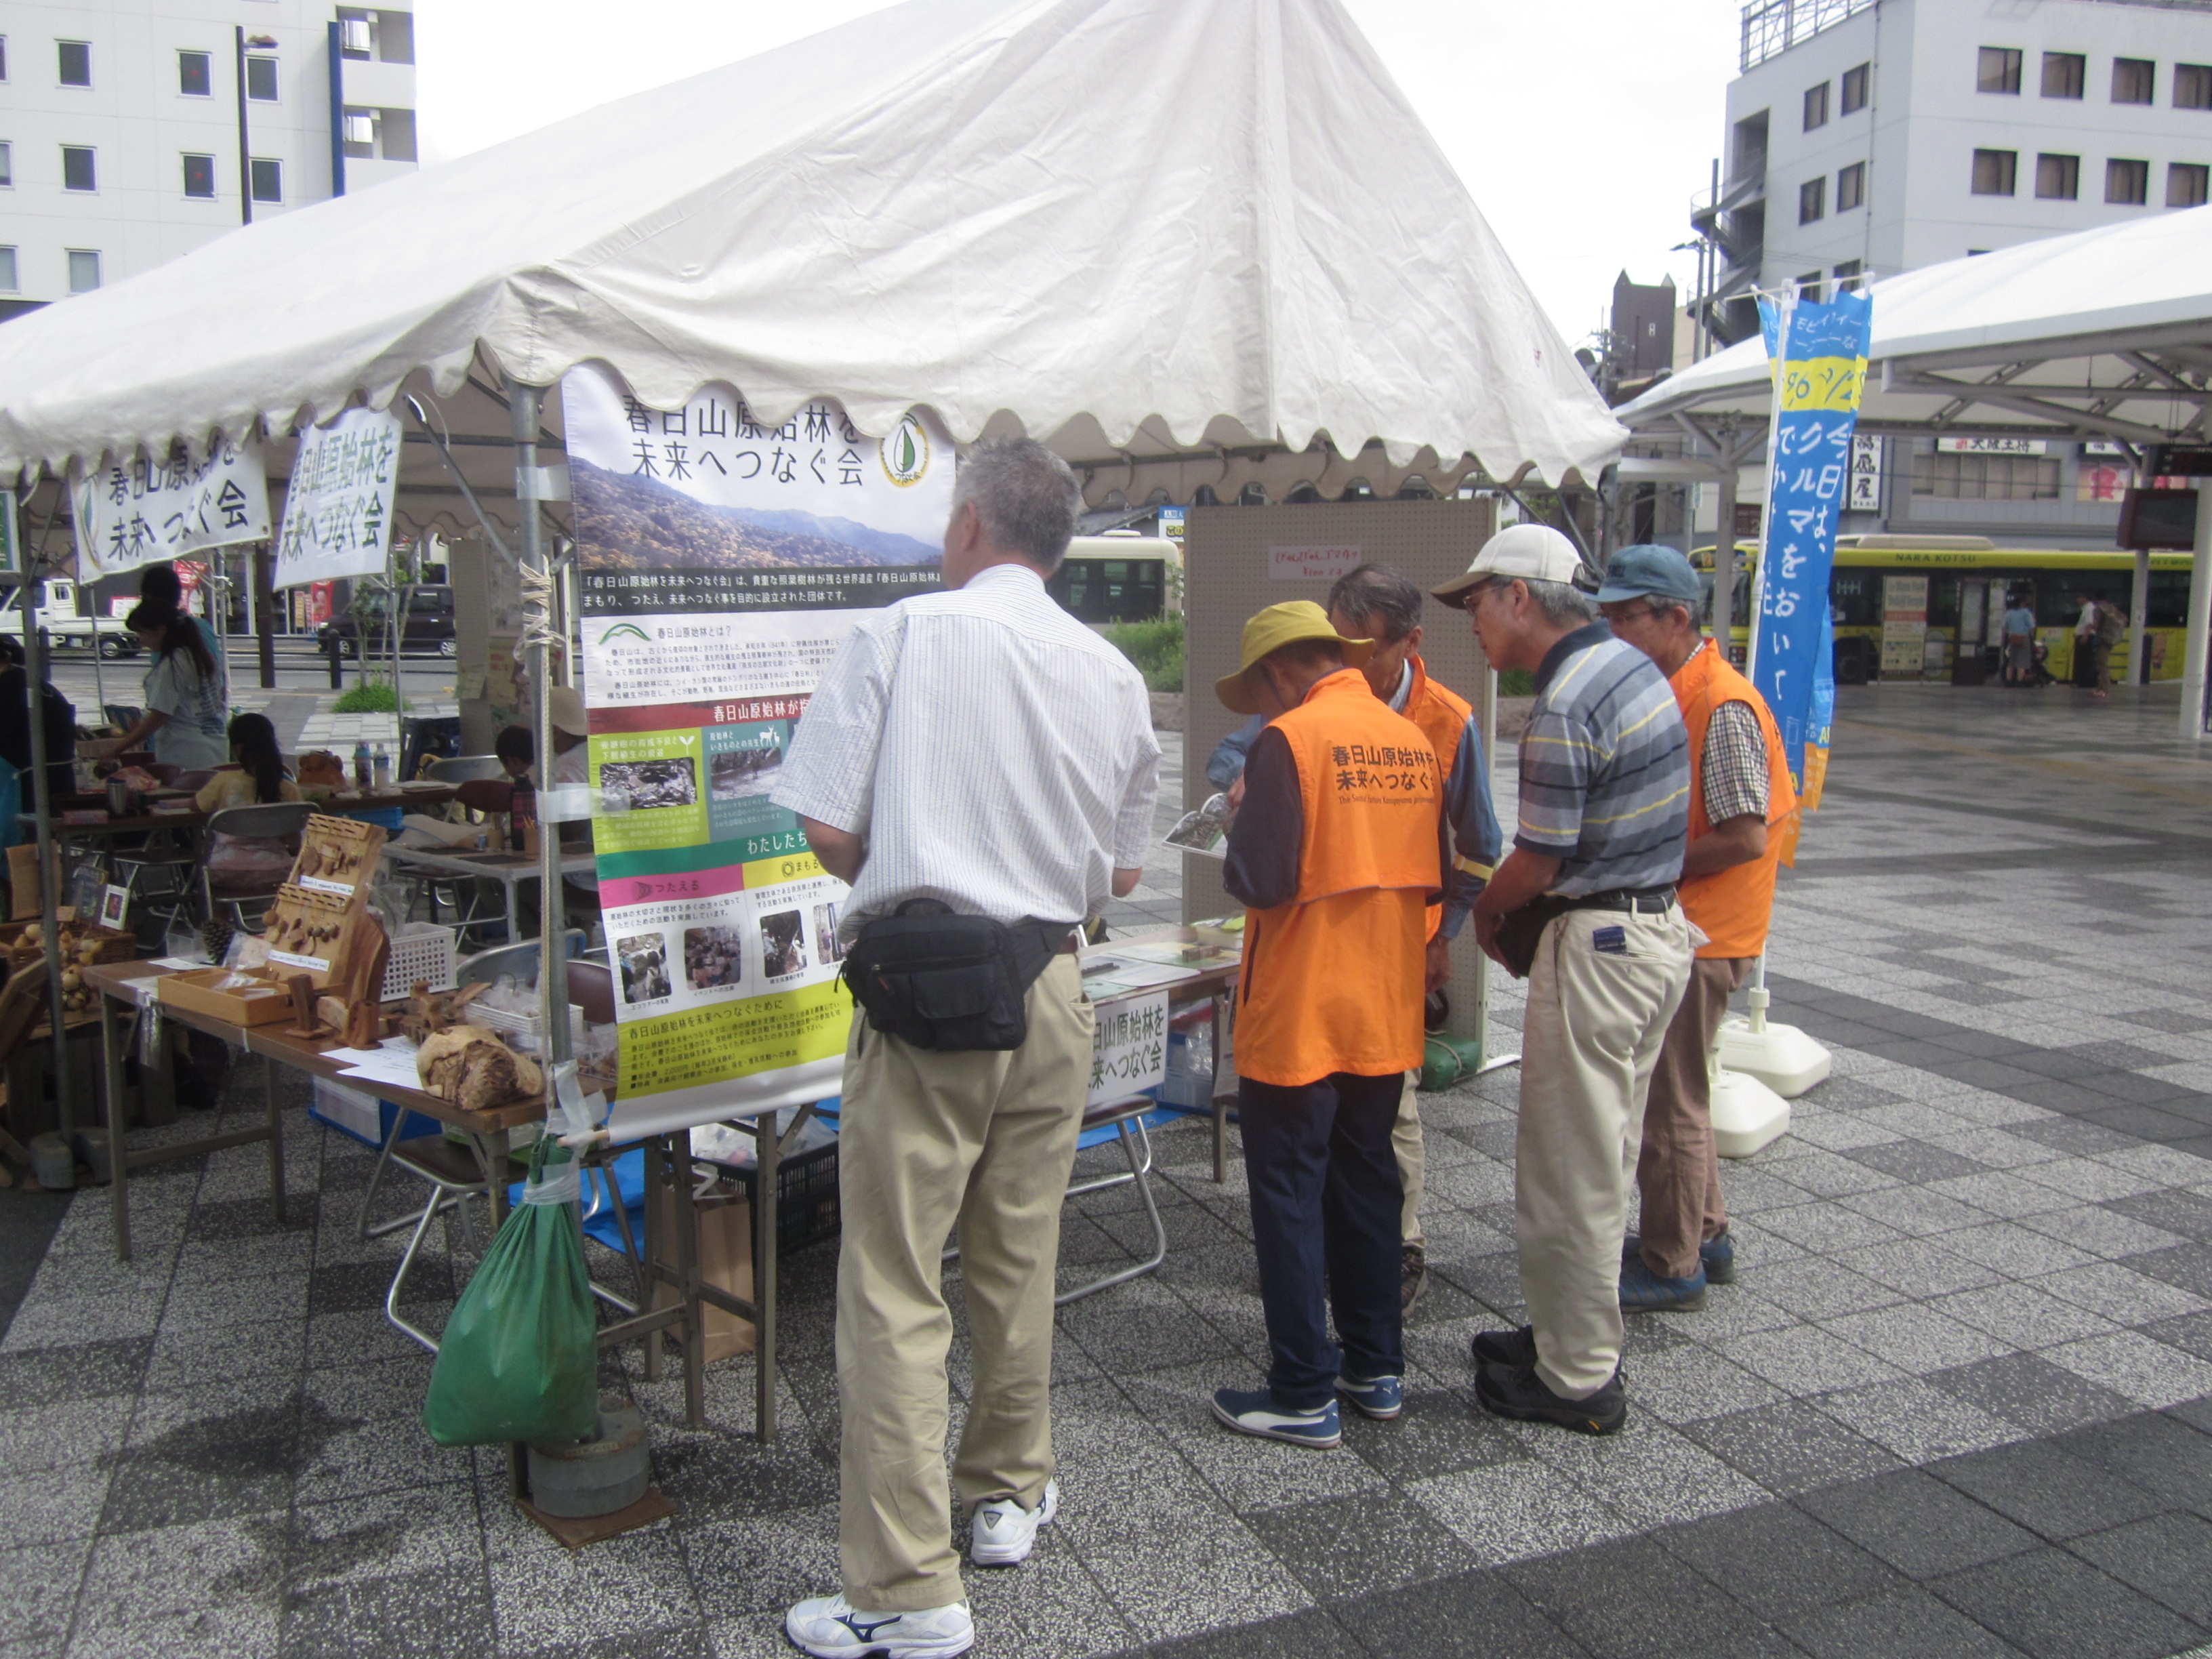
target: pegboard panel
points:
(1237, 560)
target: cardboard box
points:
(243, 999)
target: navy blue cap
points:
(1649, 571)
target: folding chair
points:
(285, 820)
(459, 893)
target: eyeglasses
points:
(1471, 600)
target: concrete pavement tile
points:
(1512, 1512)
(1690, 1381)
(1908, 1624)
(1917, 1524)
(2028, 1391)
(2094, 1228)
(2119, 1293)
(2147, 1371)
(1813, 1286)
(1649, 1472)
(441, 1613)
(2049, 1603)
(2014, 1250)
(544, 1595)
(1791, 1447)
(38, 1588)
(1805, 1360)
(1916, 1338)
(2001, 1193)
(2167, 1558)
(1922, 1267)
(1779, 1562)
(1827, 1228)
(1400, 1545)
(1915, 1420)
(2037, 1485)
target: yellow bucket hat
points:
(1277, 626)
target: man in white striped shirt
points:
(981, 748)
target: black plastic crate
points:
(807, 1207)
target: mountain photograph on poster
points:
(637, 523)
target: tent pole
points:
(48, 867)
(2200, 626)
(1724, 560)
(525, 404)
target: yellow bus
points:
(1929, 608)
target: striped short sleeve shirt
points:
(1605, 768)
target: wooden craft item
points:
(372, 955)
(364, 1026)
(304, 1022)
(473, 1067)
(337, 855)
(427, 1013)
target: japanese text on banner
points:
(723, 560)
(138, 512)
(1819, 371)
(1129, 1050)
(337, 506)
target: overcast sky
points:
(1583, 128)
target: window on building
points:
(396, 131)
(1809, 287)
(7, 164)
(2192, 86)
(2134, 79)
(1855, 90)
(360, 133)
(195, 75)
(1850, 187)
(1748, 158)
(76, 62)
(1996, 172)
(78, 171)
(268, 180)
(261, 79)
(1986, 477)
(199, 176)
(2127, 184)
(4, 58)
(1997, 69)
(2186, 184)
(1812, 200)
(1816, 106)
(83, 270)
(395, 37)
(8, 284)
(2063, 74)
(1850, 276)
(354, 37)
(2058, 178)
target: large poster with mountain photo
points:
(721, 563)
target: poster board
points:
(722, 562)
(1227, 560)
(338, 503)
(137, 511)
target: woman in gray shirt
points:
(185, 713)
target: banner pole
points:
(524, 405)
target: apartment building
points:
(134, 131)
(1867, 137)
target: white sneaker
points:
(830, 1627)
(1005, 1531)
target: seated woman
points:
(248, 865)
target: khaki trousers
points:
(1603, 988)
(1406, 1142)
(926, 1140)
(1678, 1171)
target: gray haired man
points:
(979, 748)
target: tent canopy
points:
(2103, 334)
(1184, 240)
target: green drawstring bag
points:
(520, 1357)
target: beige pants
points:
(1679, 1172)
(927, 1140)
(1596, 1021)
(1406, 1142)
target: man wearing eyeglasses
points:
(1584, 908)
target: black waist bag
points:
(945, 981)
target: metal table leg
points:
(118, 1160)
(275, 1139)
(768, 1145)
(687, 1268)
(656, 1241)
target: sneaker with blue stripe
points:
(1379, 1397)
(1253, 1411)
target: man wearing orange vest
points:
(1376, 601)
(1740, 792)
(1335, 853)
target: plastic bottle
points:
(380, 767)
(361, 764)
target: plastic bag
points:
(520, 1357)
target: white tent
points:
(2102, 335)
(2105, 333)
(1185, 240)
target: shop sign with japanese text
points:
(337, 506)
(141, 512)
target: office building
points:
(131, 133)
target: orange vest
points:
(1333, 980)
(1442, 715)
(1734, 905)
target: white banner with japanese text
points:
(137, 512)
(722, 562)
(337, 506)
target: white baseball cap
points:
(1532, 552)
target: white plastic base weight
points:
(1782, 1057)
(1747, 1114)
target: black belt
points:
(1650, 900)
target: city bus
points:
(1929, 608)
(1119, 578)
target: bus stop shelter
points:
(2102, 336)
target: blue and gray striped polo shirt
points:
(1605, 768)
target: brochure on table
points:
(723, 560)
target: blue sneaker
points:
(1379, 1397)
(1253, 1411)
(1717, 1256)
(1642, 1291)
